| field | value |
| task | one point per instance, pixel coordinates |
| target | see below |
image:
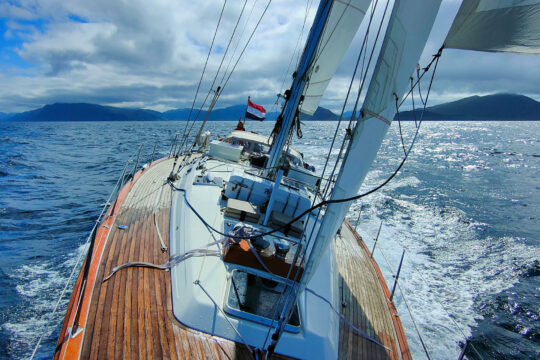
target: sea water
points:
(465, 208)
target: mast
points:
(295, 96)
(333, 29)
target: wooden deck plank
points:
(362, 292)
(131, 315)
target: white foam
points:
(40, 284)
(447, 264)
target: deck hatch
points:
(257, 299)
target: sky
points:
(150, 54)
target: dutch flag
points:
(255, 112)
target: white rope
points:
(156, 206)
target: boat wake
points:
(39, 285)
(451, 264)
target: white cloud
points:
(151, 54)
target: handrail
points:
(136, 162)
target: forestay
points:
(343, 22)
(497, 25)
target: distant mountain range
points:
(85, 112)
(490, 107)
(93, 112)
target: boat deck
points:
(130, 315)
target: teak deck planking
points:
(130, 315)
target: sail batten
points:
(497, 26)
(343, 23)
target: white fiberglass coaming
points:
(201, 286)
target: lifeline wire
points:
(347, 322)
(118, 185)
(408, 308)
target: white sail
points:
(343, 22)
(497, 25)
(409, 27)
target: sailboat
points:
(235, 248)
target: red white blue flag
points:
(255, 112)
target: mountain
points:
(230, 113)
(93, 112)
(490, 107)
(234, 112)
(4, 115)
(86, 112)
(319, 114)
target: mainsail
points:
(497, 25)
(341, 27)
(408, 29)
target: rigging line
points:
(361, 86)
(221, 63)
(329, 183)
(247, 43)
(346, 100)
(173, 261)
(347, 322)
(205, 64)
(372, 14)
(310, 4)
(399, 124)
(197, 282)
(230, 74)
(419, 90)
(412, 98)
(294, 54)
(435, 59)
(327, 202)
(238, 42)
(186, 134)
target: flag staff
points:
(249, 97)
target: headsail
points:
(497, 25)
(408, 29)
(343, 22)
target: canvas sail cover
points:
(497, 25)
(341, 27)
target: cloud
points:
(151, 54)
